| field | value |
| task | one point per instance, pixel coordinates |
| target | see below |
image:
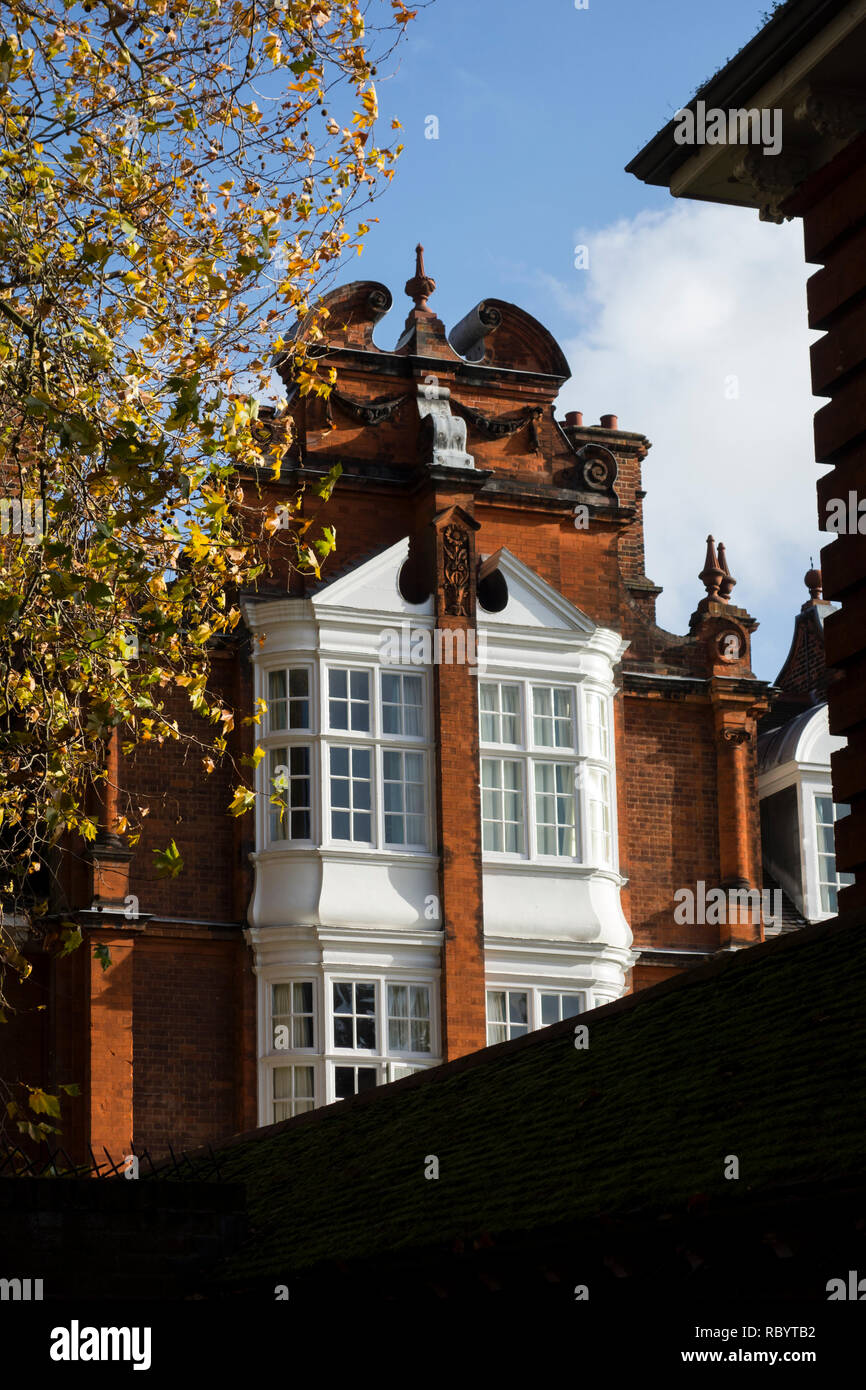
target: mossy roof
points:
(757, 1054)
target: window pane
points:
(304, 1077)
(365, 999)
(496, 1005)
(413, 706)
(302, 1032)
(299, 701)
(277, 699)
(549, 1009)
(282, 1083)
(281, 1000)
(342, 998)
(366, 1033)
(420, 1036)
(340, 762)
(510, 699)
(398, 1034)
(517, 1008)
(397, 999)
(343, 1032)
(391, 687)
(366, 1078)
(344, 1082)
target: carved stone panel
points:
(457, 558)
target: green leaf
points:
(102, 954)
(43, 1103)
(168, 861)
(71, 939)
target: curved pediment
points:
(498, 334)
(353, 311)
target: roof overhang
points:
(809, 62)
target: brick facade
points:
(166, 1039)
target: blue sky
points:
(539, 109)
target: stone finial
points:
(421, 286)
(728, 581)
(711, 575)
(814, 583)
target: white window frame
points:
(288, 810)
(273, 739)
(520, 714)
(285, 668)
(378, 742)
(329, 747)
(309, 1102)
(291, 981)
(534, 994)
(500, 758)
(387, 1016)
(530, 753)
(507, 1022)
(320, 738)
(349, 978)
(350, 668)
(843, 879)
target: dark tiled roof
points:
(756, 1053)
(792, 918)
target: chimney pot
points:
(609, 422)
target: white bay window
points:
(331, 1037)
(353, 771)
(513, 1012)
(532, 806)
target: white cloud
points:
(673, 305)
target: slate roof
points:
(755, 1054)
(792, 918)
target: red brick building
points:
(497, 770)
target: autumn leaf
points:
(168, 862)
